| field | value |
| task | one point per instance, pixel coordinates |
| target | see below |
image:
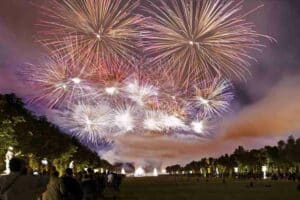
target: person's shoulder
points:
(4, 177)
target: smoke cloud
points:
(278, 113)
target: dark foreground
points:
(184, 188)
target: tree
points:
(35, 138)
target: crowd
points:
(85, 185)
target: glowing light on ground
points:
(139, 172)
(123, 171)
(155, 172)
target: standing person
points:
(18, 185)
(89, 188)
(71, 189)
(54, 188)
(101, 182)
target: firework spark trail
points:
(125, 118)
(204, 36)
(58, 81)
(139, 92)
(90, 123)
(213, 97)
(104, 29)
(201, 125)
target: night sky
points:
(266, 107)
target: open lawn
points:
(185, 188)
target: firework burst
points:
(213, 97)
(141, 92)
(125, 118)
(200, 37)
(104, 29)
(201, 125)
(90, 123)
(177, 84)
(59, 81)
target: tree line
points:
(35, 139)
(282, 159)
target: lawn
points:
(184, 188)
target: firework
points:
(172, 122)
(152, 121)
(199, 37)
(125, 118)
(103, 87)
(213, 97)
(58, 81)
(110, 78)
(90, 123)
(201, 125)
(140, 92)
(104, 29)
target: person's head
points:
(69, 172)
(16, 165)
(90, 171)
(55, 173)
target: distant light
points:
(191, 171)
(236, 169)
(139, 172)
(155, 173)
(264, 169)
(96, 170)
(111, 90)
(76, 80)
(101, 170)
(123, 171)
(163, 171)
(36, 173)
(71, 165)
(191, 42)
(44, 161)
(217, 171)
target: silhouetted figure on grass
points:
(54, 188)
(71, 188)
(89, 187)
(20, 186)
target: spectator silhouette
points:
(89, 188)
(54, 188)
(71, 189)
(18, 185)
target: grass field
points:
(184, 188)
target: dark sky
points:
(277, 62)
